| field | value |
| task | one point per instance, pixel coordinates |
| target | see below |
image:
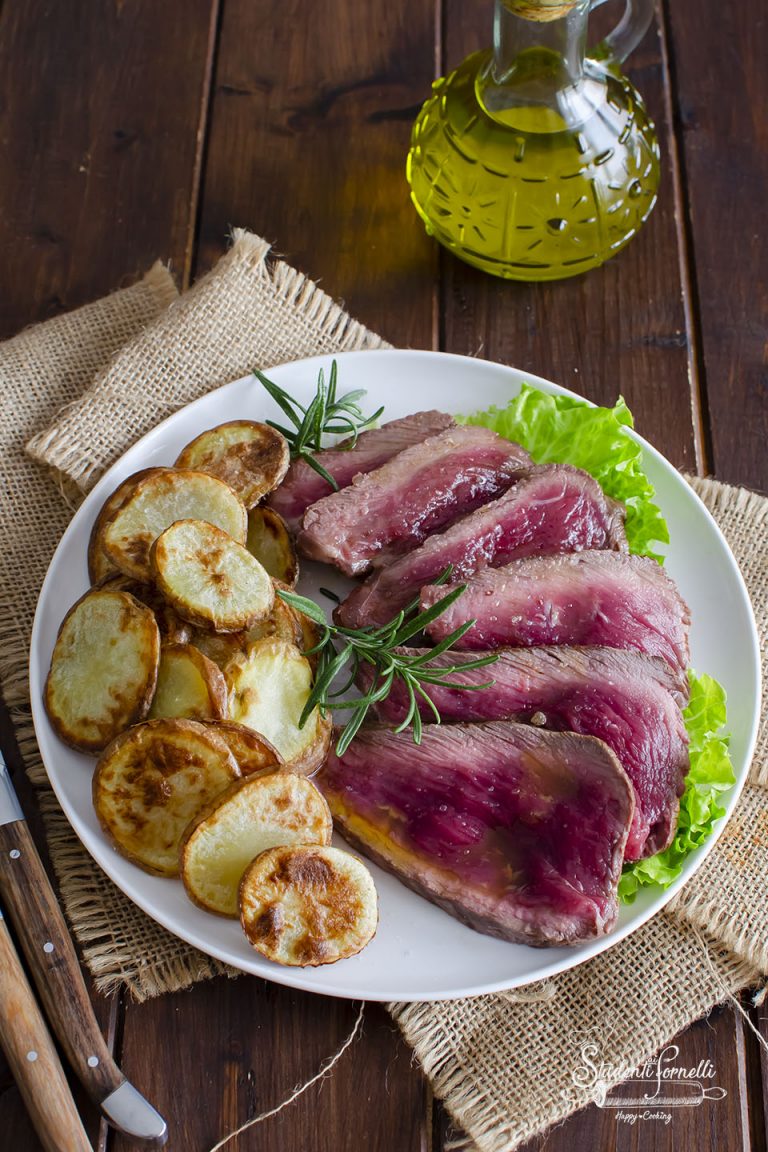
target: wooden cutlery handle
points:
(34, 911)
(33, 1059)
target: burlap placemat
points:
(507, 1066)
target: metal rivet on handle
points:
(93, 1061)
(14, 853)
(32, 1056)
(48, 947)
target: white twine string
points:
(325, 1069)
(733, 999)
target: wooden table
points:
(132, 130)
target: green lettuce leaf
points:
(711, 773)
(563, 430)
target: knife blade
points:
(42, 932)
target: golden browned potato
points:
(251, 457)
(103, 669)
(221, 647)
(249, 817)
(308, 906)
(270, 542)
(99, 565)
(158, 501)
(308, 633)
(253, 752)
(210, 579)
(268, 688)
(152, 780)
(173, 630)
(189, 685)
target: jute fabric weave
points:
(507, 1065)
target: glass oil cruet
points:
(534, 161)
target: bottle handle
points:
(627, 34)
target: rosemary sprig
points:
(326, 414)
(348, 648)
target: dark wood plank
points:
(310, 123)
(100, 117)
(620, 328)
(757, 1068)
(718, 58)
(13, 1116)
(101, 111)
(238, 1049)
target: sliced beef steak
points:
(418, 492)
(555, 508)
(604, 598)
(303, 486)
(519, 833)
(630, 701)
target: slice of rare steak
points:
(555, 508)
(421, 490)
(303, 486)
(605, 598)
(630, 701)
(519, 833)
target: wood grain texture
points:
(618, 329)
(309, 128)
(721, 100)
(100, 119)
(236, 1049)
(14, 1119)
(31, 904)
(33, 1059)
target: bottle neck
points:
(538, 48)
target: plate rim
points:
(297, 977)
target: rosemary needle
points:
(341, 649)
(326, 415)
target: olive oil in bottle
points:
(532, 161)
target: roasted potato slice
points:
(308, 906)
(310, 638)
(99, 565)
(249, 817)
(151, 781)
(173, 630)
(221, 647)
(158, 501)
(251, 457)
(268, 688)
(270, 542)
(103, 669)
(253, 752)
(208, 578)
(189, 685)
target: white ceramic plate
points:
(419, 952)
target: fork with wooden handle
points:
(42, 933)
(33, 1060)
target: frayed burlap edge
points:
(324, 326)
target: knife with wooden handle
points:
(42, 932)
(33, 1060)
